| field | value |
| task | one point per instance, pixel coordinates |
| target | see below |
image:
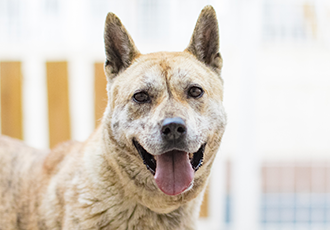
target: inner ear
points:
(120, 49)
(204, 43)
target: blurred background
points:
(273, 168)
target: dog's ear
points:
(120, 49)
(204, 43)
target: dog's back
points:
(18, 171)
(25, 174)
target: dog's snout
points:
(173, 128)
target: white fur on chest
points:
(114, 213)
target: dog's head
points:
(165, 113)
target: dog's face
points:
(165, 111)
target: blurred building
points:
(273, 168)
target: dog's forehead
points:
(171, 67)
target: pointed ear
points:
(120, 49)
(204, 43)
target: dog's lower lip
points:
(196, 159)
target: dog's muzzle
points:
(174, 169)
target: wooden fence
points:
(11, 80)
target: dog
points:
(147, 165)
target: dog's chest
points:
(127, 215)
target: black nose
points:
(173, 128)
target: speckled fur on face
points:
(102, 183)
(166, 78)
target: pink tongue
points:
(174, 173)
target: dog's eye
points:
(141, 97)
(195, 92)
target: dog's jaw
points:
(140, 184)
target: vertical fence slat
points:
(100, 84)
(11, 99)
(204, 212)
(58, 102)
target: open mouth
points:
(196, 159)
(173, 170)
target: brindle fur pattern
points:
(102, 183)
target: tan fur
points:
(102, 183)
